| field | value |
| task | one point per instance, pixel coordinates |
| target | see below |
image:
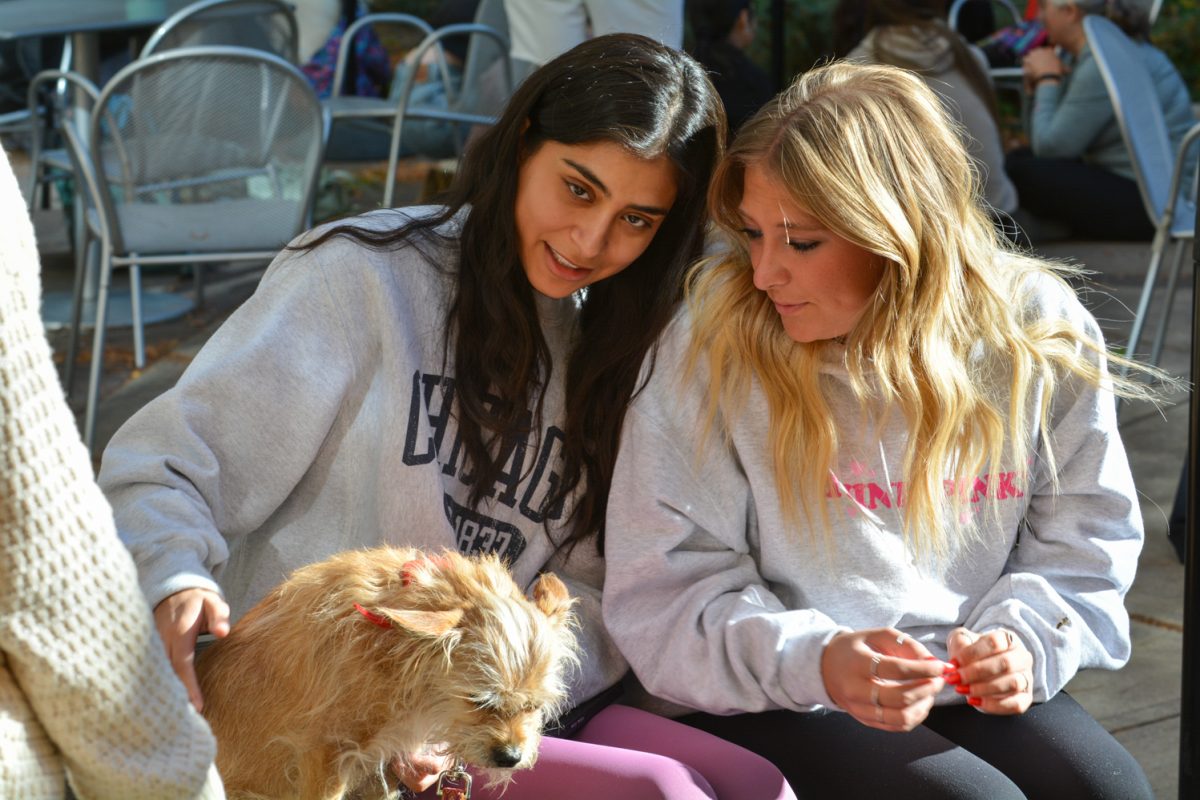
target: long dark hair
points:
(621, 88)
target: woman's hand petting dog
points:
(995, 670)
(181, 618)
(883, 678)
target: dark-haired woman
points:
(453, 376)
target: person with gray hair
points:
(1078, 171)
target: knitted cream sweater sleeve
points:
(85, 687)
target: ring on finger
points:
(875, 666)
(879, 713)
(875, 694)
(900, 639)
(1008, 638)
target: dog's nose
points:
(506, 755)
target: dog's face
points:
(503, 656)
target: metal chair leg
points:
(135, 307)
(81, 272)
(1139, 318)
(93, 394)
(1172, 282)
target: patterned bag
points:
(368, 68)
(1007, 46)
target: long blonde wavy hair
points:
(871, 153)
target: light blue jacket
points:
(1075, 118)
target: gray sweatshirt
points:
(721, 604)
(319, 418)
(932, 54)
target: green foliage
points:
(808, 35)
(1177, 33)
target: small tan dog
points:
(370, 657)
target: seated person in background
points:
(871, 511)
(913, 34)
(722, 30)
(1077, 171)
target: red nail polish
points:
(975, 701)
(963, 689)
(952, 677)
(954, 663)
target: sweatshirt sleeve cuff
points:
(801, 675)
(168, 576)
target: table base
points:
(156, 307)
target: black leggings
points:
(1093, 202)
(1055, 751)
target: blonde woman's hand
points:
(994, 670)
(882, 677)
(180, 618)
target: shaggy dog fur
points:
(369, 657)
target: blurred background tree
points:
(807, 35)
(1177, 33)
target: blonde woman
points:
(871, 511)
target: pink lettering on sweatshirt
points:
(871, 495)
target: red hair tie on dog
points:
(411, 567)
(374, 619)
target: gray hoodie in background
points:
(932, 56)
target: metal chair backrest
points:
(1014, 15)
(268, 25)
(382, 20)
(1138, 110)
(212, 128)
(461, 105)
(1152, 14)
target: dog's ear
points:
(425, 623)
(552, 598)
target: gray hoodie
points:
(931, 55)
(319, 419)
(721, 604)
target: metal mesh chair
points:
(194, 156)
(463, 102)
(1166, 176)
(45, 105)
(268, 25)
(374, 111)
